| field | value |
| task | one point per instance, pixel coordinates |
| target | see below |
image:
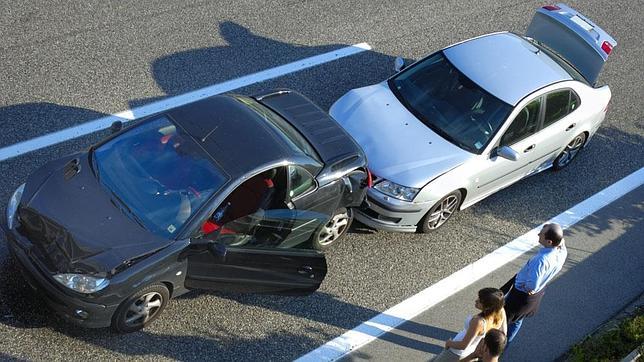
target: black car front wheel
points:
(442, 211)
(141, 308)
(333, 231)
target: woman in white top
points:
(490, 302)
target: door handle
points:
(571, 127)
(529, 148)
(306, 270)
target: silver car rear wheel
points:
(570, 152)
(442, 211)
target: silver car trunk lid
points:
(574, 37)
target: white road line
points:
(162, 105)
(419, 303)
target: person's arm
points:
(504, 325)
(477, 354)
(471, 357)
(536, 273)
(475, 328)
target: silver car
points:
(477, 116)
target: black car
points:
(230, 193)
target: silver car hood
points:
(399, 147)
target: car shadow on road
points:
(330, 310)
(175, 74)
(610, 149)
(247, 52)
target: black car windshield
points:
(157, 174)
(449, 103)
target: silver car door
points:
(559, 126)
(497, 172)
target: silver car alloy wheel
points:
(443, 212)
(571, 151)
(143, 309)
(334, 228)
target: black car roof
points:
(330, 140)
(240, 139)
(234, 135)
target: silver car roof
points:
(506, 65)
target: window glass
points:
(276, 228)
(255, 214)
(300, 181)
(524, 124)
(283, 128)
(449, 103)
(558, 105)
(157, 174)
(574, 102)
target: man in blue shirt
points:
(525, 290)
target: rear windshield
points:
(574, 74)
(281, 127)
(449, 103)
(157, 174)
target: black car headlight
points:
(14, 201)
(82, 283)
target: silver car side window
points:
(558, 105)
(525, 124)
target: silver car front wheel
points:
(440, 212)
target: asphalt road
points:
(602, 275)
(63, 64)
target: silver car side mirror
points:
(507, 153)
(399, 64)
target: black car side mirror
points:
(399, 64)
(116, 126)
(217, 249)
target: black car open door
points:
(266, 252)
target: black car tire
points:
(147, 304)
(570, 152)
(441, 212)
(334, 230)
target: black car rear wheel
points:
(442, 211)
(333, 231)
(141, 308)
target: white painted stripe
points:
(165, 104)
(419, 303)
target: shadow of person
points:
(247, 53)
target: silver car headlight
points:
(14, 201)
(398, 191)
(82, 283)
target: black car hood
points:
(74, 225)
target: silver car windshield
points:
(449, 103)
